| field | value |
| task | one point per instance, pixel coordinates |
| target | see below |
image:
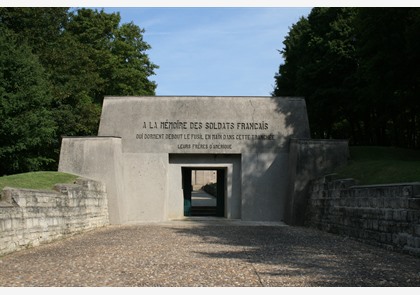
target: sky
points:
(213, 51)
(216, 48)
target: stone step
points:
(203, 211)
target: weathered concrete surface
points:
(146, 190)
(138, 137)
(98, 158)
(209, 125)
(232, 164)
(264, 186)
(308, 160)
(208, 254)
(268, 169)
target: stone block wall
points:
(31, 217)
(382, 215)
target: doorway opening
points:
(204, 191)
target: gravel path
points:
(222, 254)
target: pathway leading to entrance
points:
(207, 252)
(201, 198)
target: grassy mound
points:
(381, 165)
(44, 180)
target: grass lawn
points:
(44, 180)
(380, 165)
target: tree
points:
(83, 55)
(319, 65)
(97, 57)
(294, 45)
(131, 67)
(388, 46)
(358, 70)
(38, 27)
(27, 129)
(118, 53)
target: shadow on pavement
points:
(302, 256)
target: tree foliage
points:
(358, 71)
(27, 128)
(82, 55)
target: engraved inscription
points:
(187, 135)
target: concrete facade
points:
(308, 160)
(98, 158)
(144, 142)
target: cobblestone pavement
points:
(207, 253)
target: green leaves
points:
(319, 61)
(27, 127)
(56, 67)
(358, 70)
(131, 66)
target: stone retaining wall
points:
(31, 217)
(383, 215)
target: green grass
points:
(36, 180)
(381, 165)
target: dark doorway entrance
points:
(205, 200)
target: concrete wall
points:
(31, 217)
(202, 177)
(264, 186)
(255, 129)
(140, 136)
(382, 215)
(232, 164)
(204, 125)
(98, 158)
(309, 159)
(145, 183)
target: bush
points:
(210, 188)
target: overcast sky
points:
(216, 50)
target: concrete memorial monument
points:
(147, 147)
